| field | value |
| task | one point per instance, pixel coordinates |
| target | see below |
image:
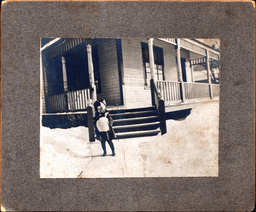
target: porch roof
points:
(194, 46)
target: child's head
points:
(100, 107)
(103, 101)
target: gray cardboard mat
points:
(24, 23)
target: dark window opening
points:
(158, 60)
(54, 75)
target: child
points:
(103, 125)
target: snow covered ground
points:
(189, 149)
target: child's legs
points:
(111, 145)
(103, 145)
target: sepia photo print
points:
(129, 107)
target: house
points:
(130, 73)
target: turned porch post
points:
(192, 74)
(93, 95)
(93, 90)
(45, 85)
(152, 69)
(151, 58)
(64, 72)
(180, 78)
(65, 82)
(209, 73)
(45, 80)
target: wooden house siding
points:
(170, 66)
(109, 72)
(135, 94)
(132, 58)
(135, 91)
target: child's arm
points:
(109, 119)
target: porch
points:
(170, 92)
(71, 88)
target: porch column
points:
(64, 72)
(192, 74)
(182, 89)
(93, 95)
(65, 82)
(209, 73)
(45, 80)
(152, 71)
(93, 89)
(151, 58)
(45, 93)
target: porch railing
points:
(57, 103)
(196, 90)
(78, 100)
(170, 91)
(69, 101)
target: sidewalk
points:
(190, 148)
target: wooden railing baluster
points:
(170, 91)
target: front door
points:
(183, 68)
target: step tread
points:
(138, 132)
(136, 125)
(133, 113)
(135, 118)
(113, 111)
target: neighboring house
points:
(127, 72)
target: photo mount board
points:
(24, 23)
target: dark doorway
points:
(183, 68)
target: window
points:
(159, 63)
(158, 73)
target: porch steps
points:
(137, 134)
(131, 110)
(137, 122)
(137, 127)
(123, 115)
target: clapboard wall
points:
(136, 94)
(109, 74)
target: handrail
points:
(156, 96)
(159, 103)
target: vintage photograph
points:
(129, 107)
